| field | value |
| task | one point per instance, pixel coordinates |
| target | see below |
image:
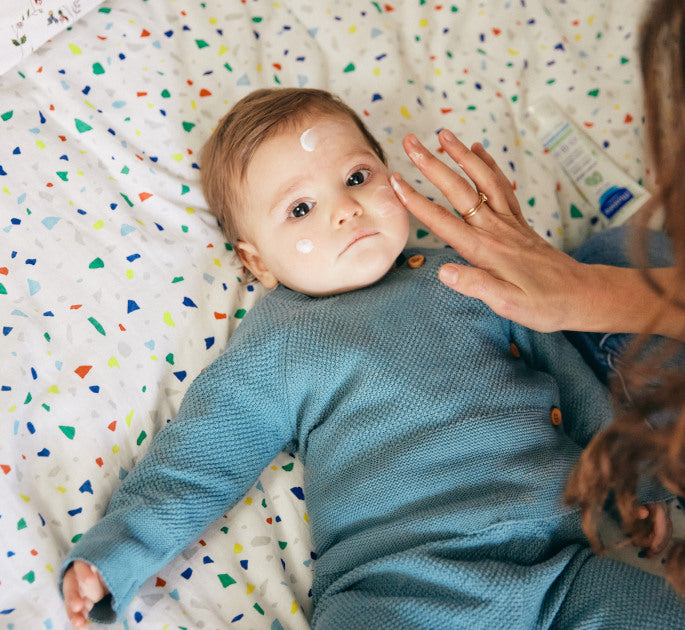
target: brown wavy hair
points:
(647, 437)
(252, 120)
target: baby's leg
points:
(611, 595)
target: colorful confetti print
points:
(117, 288)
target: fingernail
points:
(449, 275)
(395, 180)
(413, 142)
(448, 135)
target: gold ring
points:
(482, 198)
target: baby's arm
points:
(82, 587)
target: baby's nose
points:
(345, 210)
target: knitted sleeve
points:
(233, 421)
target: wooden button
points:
(555, 416)
(514, 350)
(416, 261)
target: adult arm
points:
(514, 270)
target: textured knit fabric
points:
(433, 470)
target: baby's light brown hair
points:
(252, 120)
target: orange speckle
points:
(5, 468)
(219, 315)
(141, 93)
(367, 113)
(269, 520)
(189, 81)
(589, 124)
(145, 33)
(34, 552)
(122, 328)
(446, 110)
(82, 370)
(497, 31)
(205, 92)
(102, 38)
(277, 66)
(62, 138)
(112, 426)
(4, 271)
(39, 70)
(75, 307)
(159, 582)
(628, 119)
(52, 107)
(49, 184)
(99, 461)
(144, 195)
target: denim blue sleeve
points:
(602, 351)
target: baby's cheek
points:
(385, 202)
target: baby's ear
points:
(250, 257)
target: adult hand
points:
(82, 587)
(515, 271)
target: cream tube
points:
(599, 180)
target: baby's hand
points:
(82, 587)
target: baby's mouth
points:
(358, 236)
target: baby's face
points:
(320, 216)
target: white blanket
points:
(116, 287)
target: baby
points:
(436, 437)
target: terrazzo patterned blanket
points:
(117, 289)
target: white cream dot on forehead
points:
(304, 246)
(308, 139)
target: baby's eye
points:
(301, 209)
(358, 177)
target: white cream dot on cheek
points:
(304, 246)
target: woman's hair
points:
(647, 438)
(251, 121)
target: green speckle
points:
(28, 399)
(257, 20)
(184, 189)
(7, 115)
(259, 609)
(421, 233)
(288, 467)
(240, 313)
(624, 60)
(166, 93)
(30, 577)
(105, 10)
(575, 212)
(514, 98)
(225, 579)
(97, 68)
(282, 544)
(3, 290)
(125, 170)
(128, 201)
(97, 325)
(21, 524)
(228, 67)
(63, 175)
(141, 437)
(201, 43)
(531, 202)
(170, 358)
(70, 432)
(349, 67)
(594, 92)
(188, 125)
(81, 126)
(96, 264)
(177, 279)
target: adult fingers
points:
(478, 170)
(442, 223)
(501, 296)
(504, 183)
(457, 189)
